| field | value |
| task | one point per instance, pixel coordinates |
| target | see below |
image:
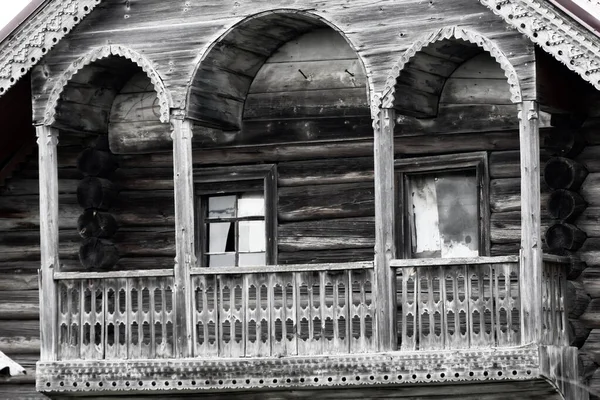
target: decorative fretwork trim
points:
(519, 363)
(444, 33)
(37, 35)
(164, 96)
(570, 44)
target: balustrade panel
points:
(290, 311)
(458, 304)
(553, 303)
(115, 318)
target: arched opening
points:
(116, 204)
(286, 89)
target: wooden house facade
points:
(284, 199)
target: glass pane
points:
(443, 214)
(247, 259)
(221, 206)
(458, 207)
(251, 205)
(221, 260)
(423, 216)
(252, 236)
(221, 237)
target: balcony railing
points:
(301, 310)
(458, 303)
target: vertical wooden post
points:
(184, 231)
(47, 141)
(385, 279)
(531, 243)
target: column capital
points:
(48, 133)
(528, 110)
(178, 114)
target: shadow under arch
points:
(164, 97)
(465, 44)
(222, 78)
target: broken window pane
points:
(443, 214)
(221, 237)
(221, 206)
(251, 205)
(252, 236)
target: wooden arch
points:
(448, 33)
(99, 53)
(219, 85)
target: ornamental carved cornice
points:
(574, 46)
(36, 36)
(164, 97)
(451, 32)
(231, 374)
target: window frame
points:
(404, 167)
(236, 179)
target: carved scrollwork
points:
(445, 33)
(164, 96)
(35, 38)
(577, 48)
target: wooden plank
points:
(531, 253)
(319, 172)
(327, 234)
(113, 274)
(18, 281)
(427, 262)
(328, 74)
(323, 256)
(284, 268)
(481, 66)
(475, 91)
(316, 45)
(313, 103)
(139, 137)
(47, 139)
(326, 201)
(184, 233)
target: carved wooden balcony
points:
(301, 326)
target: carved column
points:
(184, 230)
(47, 141)
(531, 243)
(385, 280)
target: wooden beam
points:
(531, 242)
(385, 248)
(47, 141)
(184, 231)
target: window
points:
(236, 212)
(444, 206)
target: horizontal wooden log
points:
(590, 158)
(20, 309)
(18, 281)
(150, 179)
(22, 187)
(81, 118)
(96, 193)
(564, 236)
(94, 162)
(20, 345)
(139, 137)
(591, 317)
(96, 253)
(412, 102)
(27, 361)
(506, 164)
(316, 45)
(590, 190)
(578, 332)
(461, 118)
(20, 391)
(348, 233)
(314, 103)
(505, 227)
(505, 195)
(320, 172)
(327, 74)
(576, 299)
(475, 90)
(326, 256)
(326, 201)
(564, 173)
(29, 329)
(565, 205)
(590, 278)
(126, 264)
(590, 252)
